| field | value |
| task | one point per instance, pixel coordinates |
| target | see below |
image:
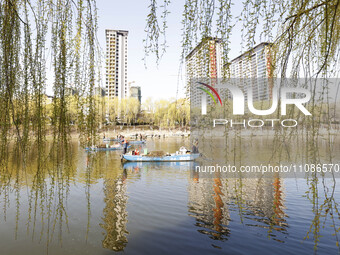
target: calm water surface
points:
(97, 205)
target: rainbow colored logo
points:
(209, 93)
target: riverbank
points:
(131, 132)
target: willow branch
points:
(307, 10)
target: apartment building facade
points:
(252, 69)
(204, 63)
(116, 64)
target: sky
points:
(162, 81)
(159, 81)
(166, 80)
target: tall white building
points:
(253, 68)
(204, 63)
(116, 64)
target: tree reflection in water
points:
(37, 195)
(45, 181)
(42, 183)
(115, 214)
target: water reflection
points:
(258, 202)
(207, 204)
(115, 214)
(40, 189)
(83, 202)
(138, 166)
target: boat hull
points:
(172, 158)
(111, 140)
(130, 142)
(136, 142)
(105, 149)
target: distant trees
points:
(111, 111)
(108, 110)
(167, 113)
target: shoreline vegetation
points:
(156, 132)
(128, 131)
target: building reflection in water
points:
(215, 201)
(207, 205)
(115, 214)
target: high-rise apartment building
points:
(116, 64)
(135, 92)
(252, 69)
(204, 62)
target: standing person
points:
(195, 146)
(125, 145)
(121, 140)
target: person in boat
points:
(183, 150)
(125, 145)
(195, 147)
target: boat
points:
(137, 142)
(134, 142)
(165, 158)
(180, 165)
(114, 148)
(111, 140)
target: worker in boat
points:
(125, 144)
(183, 150)
(195, 147)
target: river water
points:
(94, 204)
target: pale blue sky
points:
(157, 82)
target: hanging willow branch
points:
(293, 26)
(155, 29)
(26, 53)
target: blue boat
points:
(134, 142)
(185, 165)
(111, 140)
(169, 158)
(137, 142)
(105, 149)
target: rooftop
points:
(204, 40)
(124, 32)
(251, 50)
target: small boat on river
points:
(137, 142)
(112, 148)
(133, 142)
(165, 158)
(180, 165)
(111, 140)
